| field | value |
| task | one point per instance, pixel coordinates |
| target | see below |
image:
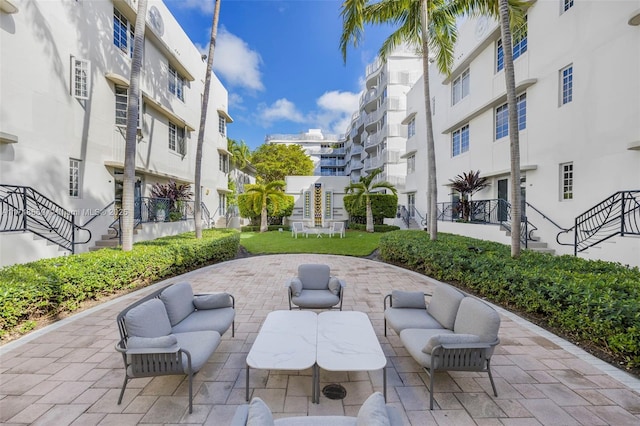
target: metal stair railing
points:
(619, 214)
(206, 215)
(27, 210)
(423, 220)
(404, 215)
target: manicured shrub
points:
(593, 302)
(49, 287)
(376, 228)
(382, 205)
(256, 228)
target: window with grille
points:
(502, 116)
(122, 33)
(519, 41)
(460, 87)
(222, 125)
(566, 84)
(74, 178)
(80, 78)
(223, 162)
(411, 128)
(411, 163)
(566, 5)
(176, 83)
(122, 96)
(176, 139)
(566, 181)
(460, 140)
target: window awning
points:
(226, 116)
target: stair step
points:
(536, 244)
(107, 243)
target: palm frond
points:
(352, 24)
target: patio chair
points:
(337, 228)
(297, 228)
(315, 288)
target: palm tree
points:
(203, 120)
(468, 184)
(240, 153)
(363, 190)
(260, 193)
(426, 24)
(133, 108)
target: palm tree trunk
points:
(133, 103)
(203, 120)
(370, 227)
(432, 186)
(514, 137)
(263, 216)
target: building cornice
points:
(120, 165)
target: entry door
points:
(503, 197)
(411, 203)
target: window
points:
(223, 162)
(566, 5)
(460, 141)
(566, 181)
(222, 125)
(566, 85)
(411, 128)
(176, 83)
(502, 116)
(519, 40)
(122, 95)
(74, 178)
(122, 33)
(411, 163)
(80, 78)
(176, 139)
(460, 87)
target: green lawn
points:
(355, 243)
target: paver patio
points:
(69, 373)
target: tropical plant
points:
(131, 138)
(363, 189)
(172, 193)
(203, 121)
(468, 184)
(425, 24)
(274, 162)
(240, 153)
(261, 193)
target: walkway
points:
(69, 373)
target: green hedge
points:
(376, 228)
(594, 302)
(51, 286)
(382, 205)
(256, 228)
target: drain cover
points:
(334, 391)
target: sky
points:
(281, 63)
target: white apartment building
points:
(64, 75)
(325, 150)
(577, 66)
(376, 137)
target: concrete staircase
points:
(534, 244)
(110, 239)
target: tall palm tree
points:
(263, 192)
(363, 190)
(133, 108)
(203, 120)
(425, 24)
(240, 153)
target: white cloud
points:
(205, 6)
(280, 110)
(236, 63)
(335, 111)
(236, 101)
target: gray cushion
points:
(443, 305)
(414, 339)
(334, 285)
(212, 301)
(136, 342)
(408, 299)
(476, 317)
(149, 319)
(316, 421)
(400, 318)
(439, 339)
(241, 415)
(315, 299)
(178, 299)
(314, 276)
(373, 412)
(207, 319)
(296, 286)
(200, 344)
(259, 413)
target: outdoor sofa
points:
(172, 331)
(454, 332)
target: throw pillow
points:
(296, 286)
(334, 285)
(178, 299)
(439, 339)
(259, 413)
(136, 342)
(148, 319)
(212, 301)
(373, 412)
(408, 299)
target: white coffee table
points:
(347, 342)
(286, 341)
